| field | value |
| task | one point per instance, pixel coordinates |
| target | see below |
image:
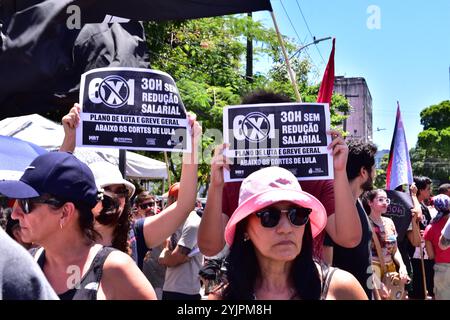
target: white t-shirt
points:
(184, 278)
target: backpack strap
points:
(382, 264)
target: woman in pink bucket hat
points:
(271, 244)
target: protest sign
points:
(132, 108)
(288, 135)
(399, 210)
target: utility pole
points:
(249, 66)
(286, 58)
(297, 52)
(122, 162)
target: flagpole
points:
(166, 160)
(286, 58)
(422, 264)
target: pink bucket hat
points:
(268, 186)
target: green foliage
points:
(436, 116)
(435, 138)
(206, 57)
(437, 168)
(380, 179)
(431, 157)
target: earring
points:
(60, 225)
(246, 237)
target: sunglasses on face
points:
(110, 203)
(28, 205)
(120, 192)
(381, 200)
(146, 205)
(270, 217)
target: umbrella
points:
(15, 156)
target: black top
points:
(141, 247)
(356, 260)
(427, 217)
(88, 286)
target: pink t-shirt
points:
(323, 190)
(432, 234)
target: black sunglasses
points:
(110, 202)
(270, 217)
(146, 205)
(122, 192)
(28, 205)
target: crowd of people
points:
(89, 235)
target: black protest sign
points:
(288, 135)
(399, 210)
(131, 108)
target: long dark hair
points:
(121, 223)
(85, 217)
(86, 222)
(243, 269)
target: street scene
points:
(224, 150)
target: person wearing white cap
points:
(112, 218)
(270, 235)
(153, 230)
(55, 197)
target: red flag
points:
(398, 171)
(326, 88)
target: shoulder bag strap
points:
(379, 251)
(380, 256)
(327, 281)
(37, 253)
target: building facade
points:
(359, 122)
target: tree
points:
(431, 157)
(206, 58)
(380, 179)
(435, 138)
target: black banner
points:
(132, 108)
(399, 210)
(288, 135)
(109, 11)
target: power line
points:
(295, 30)
(301, 12)
(309, 30)
(290, 21)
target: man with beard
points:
(360, 173)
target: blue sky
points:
(406, 59)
